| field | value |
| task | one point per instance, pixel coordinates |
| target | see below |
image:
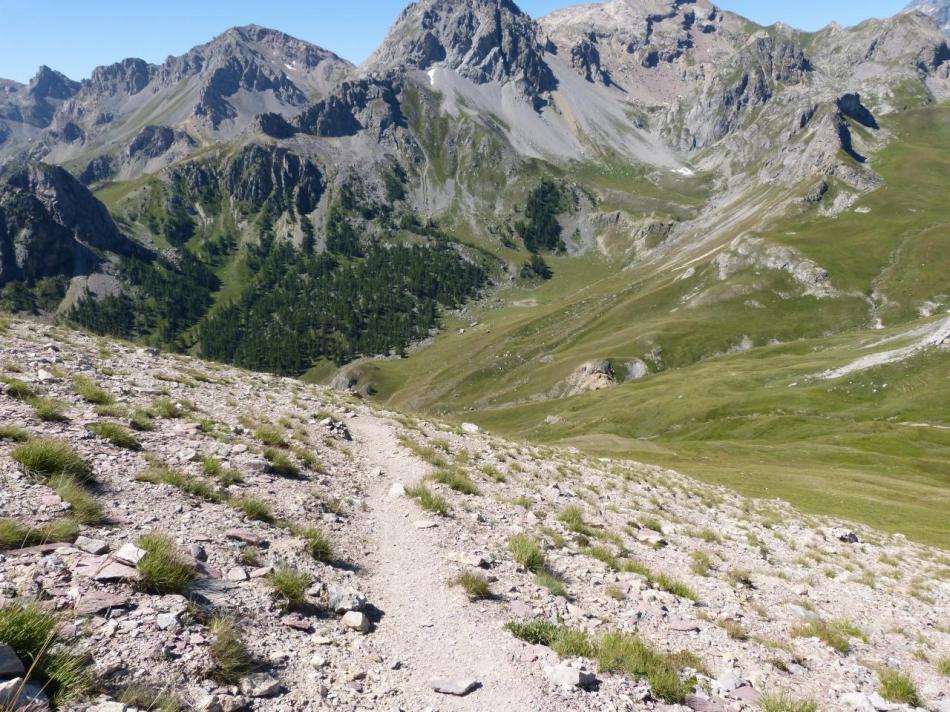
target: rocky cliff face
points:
(484, 41)
(938, 10)
(51, 225)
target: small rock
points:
(426, 524)
(356, 621)
(458, 686)
(845, 535)
(298, 622)
(198, 552)
(397, 490)
(113, 571)
(10, 664)
(91, 546)
(857, 701)
(97, 602)
(342, 600)
(237, 573)
(244, 536)
(260, 684)
(166, 621)
(129, 553)
(108, 706)
(566, 676)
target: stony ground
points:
(743, 586)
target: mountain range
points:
(651, 226)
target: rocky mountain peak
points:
(938, 10)
(483, 40)
(50, 84)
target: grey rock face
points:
(50, 224)
(484, 40)
(938, 10)
(342, 600)
(10, 664)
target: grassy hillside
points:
(753, 418)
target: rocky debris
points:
(569, 676)
(17, 694)
(155, 638)
(590, 376)
(95, 547)
(457, 686)
(260, 684)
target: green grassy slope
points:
(839, 447)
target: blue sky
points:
(74, 37)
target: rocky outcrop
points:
(483, 40)
(590, 376)
(154, 141)
(51, 225)
(366, 104)
(937, 10)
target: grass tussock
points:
(46, 458)
(162, 570)
(291, 586)
(317, 543)
(158, 474)
(253, 508)
(153, 698)
(116, 434)
(15, 534)
(49, 410)
(53, 662)
(87, 389)
(456, 480)
(13, 433)
(527, 553)
(84, 507)
(896, 686)
(280, 463)
(475, 585)
(168, 409)
(142, 420)
(614, 652)
(230, 659)
(16, 388)
(270, 436)
(943, 666)
(428, 500)
(834, 634)
(784, 703)
(573, 519)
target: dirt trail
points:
(430, 628)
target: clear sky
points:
(75, 36)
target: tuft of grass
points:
(53, 662)
(159, 474)
(83, 505)
(734, 629)
(151, 698)
(573, 518)
(270, 436)
(701, 563)
(11, 432)
(167, 408)
(162, 570)
(783, 703)
(46, 458)
(291, 585)
(628, 653)
(15, 388)
(834, 634)
(896, 686)
(116, 434)
(213, 468)
(230, 659)
(428, 500)
(535, 631)
(280, 463)
(527, 554)
(943, 666)
(552, 583)
(141, 420)
(253, 508)
(14, 534)
(49, 410)
(475, 585)
(87, 389)
(317, 543)
(456, 480)
(652, 523)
